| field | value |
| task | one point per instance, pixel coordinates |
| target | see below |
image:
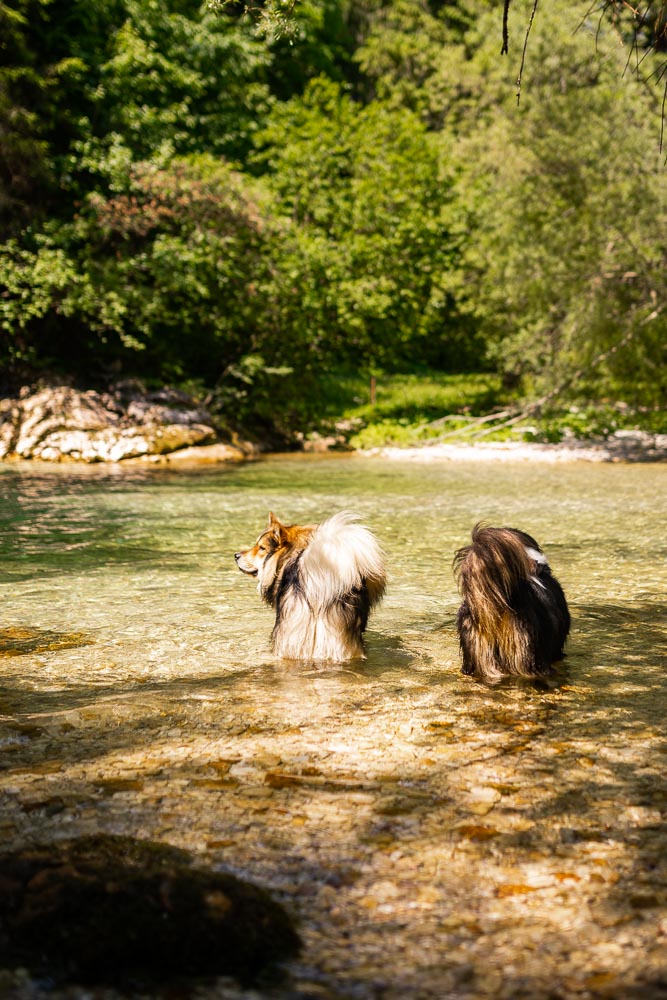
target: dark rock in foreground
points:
(114, 911)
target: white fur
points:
(340, 555)
(541, 560)
(304, 636)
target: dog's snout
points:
(237, 556)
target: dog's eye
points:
(262, 548)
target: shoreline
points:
(130, 425)
(623, 446)
(629, 447)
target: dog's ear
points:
(277, 527)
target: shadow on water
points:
(76, 697)
(583, 764)
(386, 655)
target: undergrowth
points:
(427, 407)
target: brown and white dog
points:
(322, 580)
(514, 618)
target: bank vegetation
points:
(285, 216)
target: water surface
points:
(435, 837)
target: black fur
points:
(356, 609)
(280, 587)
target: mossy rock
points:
(113, 910)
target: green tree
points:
(569, 202)
(96, 99)
(179, 79)
(87, 88)
(50, 55)
(369, 242)
(157, 278)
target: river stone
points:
(9, 418)
(61, 423)
(112, 910)
(117, 444)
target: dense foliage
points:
(250, 208)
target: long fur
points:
(514, 618)
(322, 580)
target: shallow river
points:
(434, 837)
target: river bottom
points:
(433, 837)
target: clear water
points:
(470, 841)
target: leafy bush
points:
(371, 253)
(156, 278)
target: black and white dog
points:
(323, 580)
(514, 618)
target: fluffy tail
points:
(491, 569)
(342, 557)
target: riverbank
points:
(126, 423)
(129, 424)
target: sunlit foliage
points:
(247, 201)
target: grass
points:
(420, 408)
(408, 409)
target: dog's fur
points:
(514, 618)
(323, 580)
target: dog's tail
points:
(491, 569)
(343, 556)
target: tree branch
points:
(506, 36)
(525, 49)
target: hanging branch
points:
(506, 35)
(525, 49)
(608, 11)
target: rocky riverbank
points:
(126, 423)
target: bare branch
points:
(525, 49)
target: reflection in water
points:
(470, 841)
